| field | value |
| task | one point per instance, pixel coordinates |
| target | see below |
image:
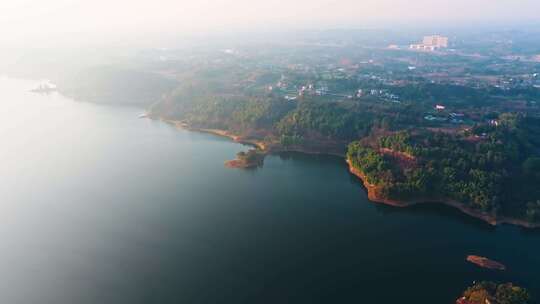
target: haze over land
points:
(36, 23)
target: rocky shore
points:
(247, 160)
(375, 196)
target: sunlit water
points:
(98, 206)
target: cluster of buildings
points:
(383, 94)
(322, 90)
(517, 82)
(295, 91)
(431, 43)
(454, 118)
(441, 116)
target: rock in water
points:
(485, 262)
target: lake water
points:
(98, 206)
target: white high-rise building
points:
(431, 43)
(436, 41)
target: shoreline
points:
(265, 147)
(489, 218)
(371, 190)
(222, 133)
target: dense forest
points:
(490, 168)
(229, 112)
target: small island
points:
(247, 160)
(493, 293)
(485, 262)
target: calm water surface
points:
(98, 206)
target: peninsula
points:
(438, 128)
(476, 175)
(392, 166)
(247, 160)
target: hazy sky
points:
(27, 19)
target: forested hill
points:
(302, 120)
(489, 168)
